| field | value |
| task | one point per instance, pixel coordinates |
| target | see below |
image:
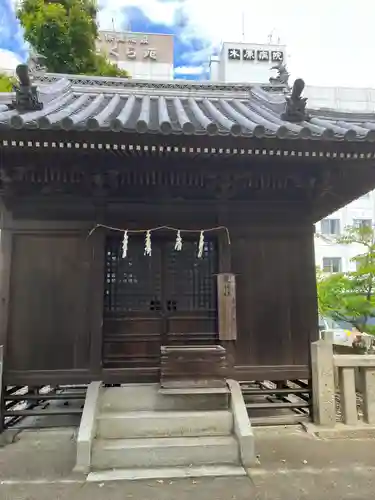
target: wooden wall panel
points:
(132, 342)
(49, 324)
(276, 300)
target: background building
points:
(330, 256)
(253, 63)
(146, 56)
(246, 62)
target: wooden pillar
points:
(6, 241)
(224, 252)
(96, 301)
(2, 406)
(311, 283)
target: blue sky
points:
(190, 54)
(328, 42)
(11, 39)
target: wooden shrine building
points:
(82, 160)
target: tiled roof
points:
(84, 103)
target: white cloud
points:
(8, 60)
(160, 12)
(189, 70)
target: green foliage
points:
(65, 32)
(6, 83)
(351, 295)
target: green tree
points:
(351, 295)
(6, 83)
(65, 32)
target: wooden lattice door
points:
(133, 322)
(190, 289)
(166, 298)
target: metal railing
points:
(25, 406)
(284, 402)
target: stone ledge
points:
(341, 431)
(86, 432)
(242, 425)
(167, 473)
(207, 391)
(9, 436)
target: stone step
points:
(164, 452)
(147, 397)
(166, 473)
(144, 424)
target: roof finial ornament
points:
(26, 94)
(295, 110)
(282, 77)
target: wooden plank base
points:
(193, 366)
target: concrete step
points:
(147, 397)
(166, 473)
(164, 452)
(143, 424)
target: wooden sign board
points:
(226, 289)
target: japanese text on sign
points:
(237, 54)
(135, 47)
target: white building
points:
(330, 256)
(252, 63)
(146, 56)
(246, 62)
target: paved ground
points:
(292, 465)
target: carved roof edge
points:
(113, 83)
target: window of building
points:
(330, 226)
(332, 264)
(362, 223)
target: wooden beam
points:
(1, 389)
(96, 300)
(51, 226)
(220, 142)
(6, 243)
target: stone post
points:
(348, 400)
(367, 377)
(328, 336)
(323, 384)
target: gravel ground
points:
(296, 486)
